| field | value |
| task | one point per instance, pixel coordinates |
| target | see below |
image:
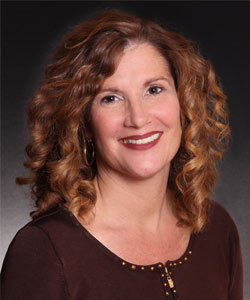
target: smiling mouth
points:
(142, 141)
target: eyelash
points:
(159, 90)
(155, 87)
(105, 99)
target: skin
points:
(133, 207)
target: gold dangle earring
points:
(87, 149)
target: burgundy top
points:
(55, 257)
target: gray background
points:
(31, 31)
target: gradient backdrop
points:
(31, 31)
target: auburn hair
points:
(58, 116)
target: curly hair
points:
(58, 116)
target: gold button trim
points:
(165, 284)
(167, 293)
(174, 291)
(181, 261)
(160, 265)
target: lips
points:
(141, 142)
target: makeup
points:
(142, 142)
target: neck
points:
(122, 201)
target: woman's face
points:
(135, 118)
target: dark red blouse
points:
(54, 257)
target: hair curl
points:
(58, 116)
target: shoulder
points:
(220, 231)
(35, 234)
(52, 222)
(31, 257)
(218, 244)
(220, 220)
(57, 217)
(44, 233)
(224, 242)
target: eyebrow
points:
(115, 90)
(156, 79)
(112, 90)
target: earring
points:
(87, 149)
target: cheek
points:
(170, 114)
(104, 125)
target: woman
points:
(125, 133)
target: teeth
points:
(142, 141)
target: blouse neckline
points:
(183, 259)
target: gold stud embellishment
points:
(180, 262)
(185, 258)
(152, 268)
(167, 293)
(171, 265)
(190, 252)
(162, 275)
(123, 263)
(174, 291)
(174, 264)
(160, 265)
(165, 284)
(133, 267)
(142, 268)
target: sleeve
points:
(236, 283)
(31, 269)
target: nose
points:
(137, 115)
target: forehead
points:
(138, 63)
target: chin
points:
(146, 172)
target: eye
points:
(109, 99)
(154, 90)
